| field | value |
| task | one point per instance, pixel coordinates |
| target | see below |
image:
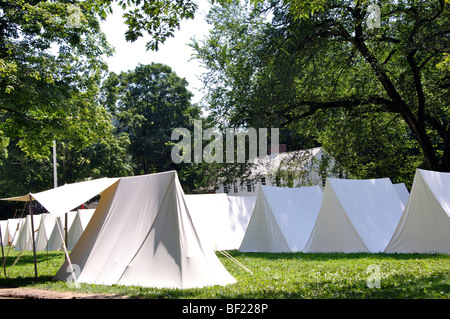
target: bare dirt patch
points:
(28, 293)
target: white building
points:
(286, 169)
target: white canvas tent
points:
(13, 229)
(282, 219)
(55, 240)
(425, 224)
(79, 223)
(4, 231)
(214, 222)
(44, 230)
(242, 208)
(142, 234)
(25, 236)
(402, 192)
(356, 216)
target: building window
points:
(263, 181)
(235, 187)
(225, 189)
(249, 186)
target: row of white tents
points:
(352, 216)
(49, 230)
(145, 231)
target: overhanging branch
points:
(314, 106)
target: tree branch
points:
(418, 85)
(315, 106)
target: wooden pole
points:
(66, 222)
(3, 253)
(30, 208)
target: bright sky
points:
(175, 52)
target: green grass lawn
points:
(275, 276)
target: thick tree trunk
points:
(416, 125)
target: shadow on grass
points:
(332, 256)
(398, 285)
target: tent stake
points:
(30, 208)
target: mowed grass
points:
(274, 276)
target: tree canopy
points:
(322, 68)
(148, 103)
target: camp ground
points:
(146, 232)
(282, 219)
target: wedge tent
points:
(356, 216)
(282, 219)
(58, 234)
(402, 192)
(242, 208)
(78, 225)
(425, 224)
(142, 234)
(214, 220)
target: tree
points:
(148, 103)
(307, 68)
(50, 69)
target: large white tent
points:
(282, 219)
(214, 220)
(242, 208)
(142, 234)
(425, 224)
(356, 216)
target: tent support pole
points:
(30, 208)
(66, 222)
(67, 257)
(3, 253)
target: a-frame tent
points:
(80, 222)
(45, 228)
(402, 192)
(425, 224)
(13, 229)
(25, 236)
(356, 216)
(282, 219)
(142, 234)
(214, 220)
(58, 234)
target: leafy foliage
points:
(318, 70)
(148, 103)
